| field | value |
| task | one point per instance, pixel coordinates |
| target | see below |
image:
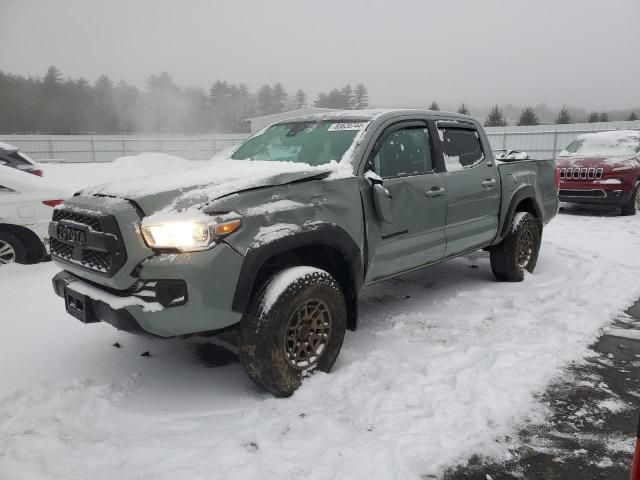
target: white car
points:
(26, 205)
(12, 157)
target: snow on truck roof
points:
(367, 114)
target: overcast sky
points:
(584, 53)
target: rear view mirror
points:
(382, 201)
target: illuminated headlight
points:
(189, 235)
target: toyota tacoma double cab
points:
(602, 168)
(279, 239)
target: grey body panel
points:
(534, 179)
(425, 229)
(417, 234)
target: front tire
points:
(519, 250)
(296, 323)
(12, 250)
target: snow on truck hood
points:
(216, 180)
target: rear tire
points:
(632, 205)
(292, 328)
(12, 250)
(519, 250)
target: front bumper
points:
(210, 278)
(98, 311)
(594, 196)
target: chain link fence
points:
(106, 148)
(540, 141)
(546, 141)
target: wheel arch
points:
(523, 200)
(327, 247)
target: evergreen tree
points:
(52, 80)
(335, 99)
(632, 116)
(593, 117)
(360, 97)
(74, 103)
(563, 116)
(321, 101)
(348, 100)
(246, 108)
(265, 100)
(165, 110)
(463, 109)
(604, 117)
(105, 116)
(279, 98)
(197, 112)
(495, 118)
(128, 103)
(528, 117)
(53, 105)
(160, 83)
(300, 99)
(434, 106)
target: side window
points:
(462, 148)
(405, 152)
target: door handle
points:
(434, 192)
(489, 183)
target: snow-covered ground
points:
(446, 362)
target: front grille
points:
(578, 173)
(77, 217)
(60, 249)
(101, 249)
(96, 260)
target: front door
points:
(415, 234)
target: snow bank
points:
(77, 176)
(445, 363)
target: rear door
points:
(473, 189)
(404, 159)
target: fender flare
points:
(329, 235)
(526, 192)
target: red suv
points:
(602, 168)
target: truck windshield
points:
(315, 143)
(603, 144)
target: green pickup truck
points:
(278, 239)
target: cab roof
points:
(372, 114)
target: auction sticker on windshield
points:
(346, 126)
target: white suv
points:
(26, 206)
